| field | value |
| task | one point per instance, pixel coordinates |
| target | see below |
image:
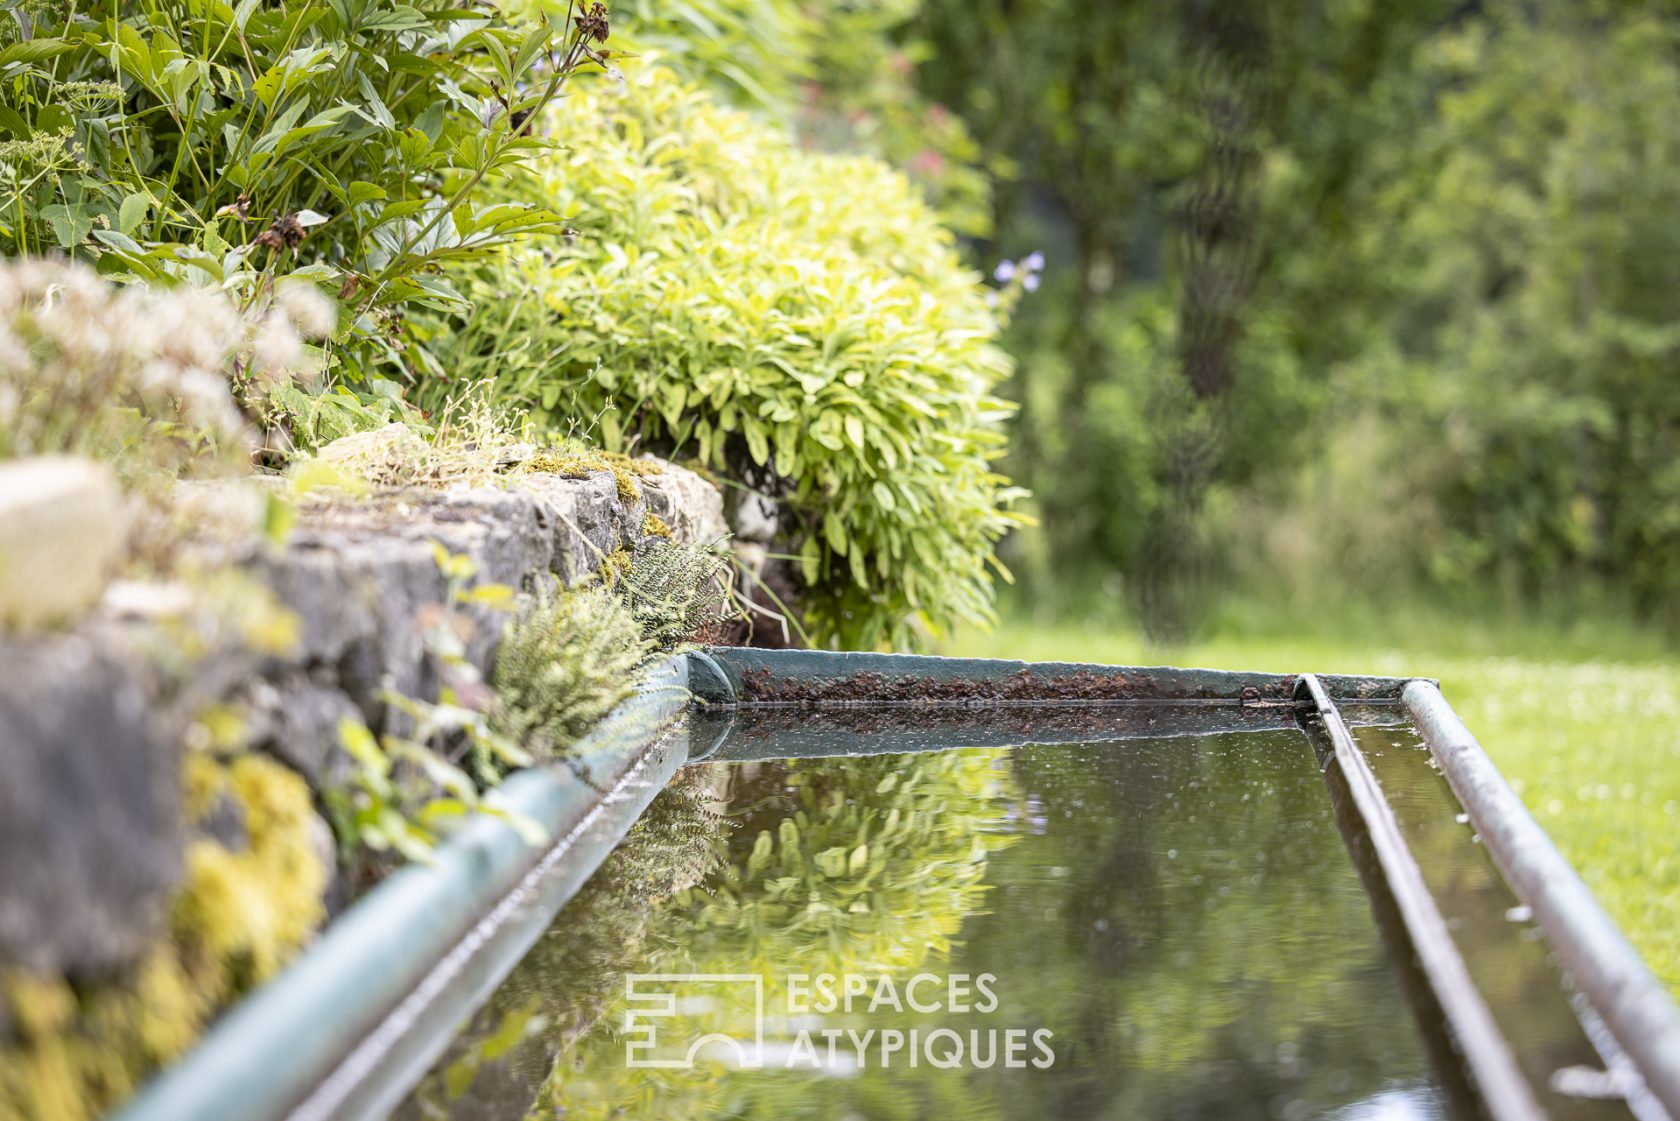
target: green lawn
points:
(1592, 744)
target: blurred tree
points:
(1150, 377)
(1532, 344)
(1265, 220)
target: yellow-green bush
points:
(798, 321)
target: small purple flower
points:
(1033, 262)
(1030, 282)
(1005, 272)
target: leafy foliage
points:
(563, 664)
(339, 141)
(798, 321)
(754, 52)
(674, 591)
(838, 72)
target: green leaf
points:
(400, 17)
(133, 211)
(763, 847)
(70, 224)
(362, 191)
(118, 241)
(832, 862)
(33, 50)
(359, 743)
(854, 430)
(810, 561)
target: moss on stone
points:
(74, 1051)
(654, 526)
(614, 565)
(579, 462)
(249, 909)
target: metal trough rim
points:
(1605, 967)
(1486, 1052)
(277, 1051)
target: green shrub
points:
(840, 72)
(798, 321)
(754, 52)
(342, 141)
(563, 664)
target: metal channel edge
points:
(392, 1059)
(1493, 1068)
(727, 676)
(1635, 1006)
(299, 1036)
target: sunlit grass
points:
(1591, 744)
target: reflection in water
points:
(1497, 938)
(1178, 915)
(1391, 1105)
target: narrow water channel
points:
(1498, 938)
(1164, 927)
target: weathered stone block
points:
(90, 806)
(690, 505)
(61, 534)
(90, 785)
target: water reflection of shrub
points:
(867, 866)
(565, 986)
(842, 866)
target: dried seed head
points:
(91, 368)
(592, 24)
(312, 313)
(284, 232)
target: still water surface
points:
(1154, 928)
